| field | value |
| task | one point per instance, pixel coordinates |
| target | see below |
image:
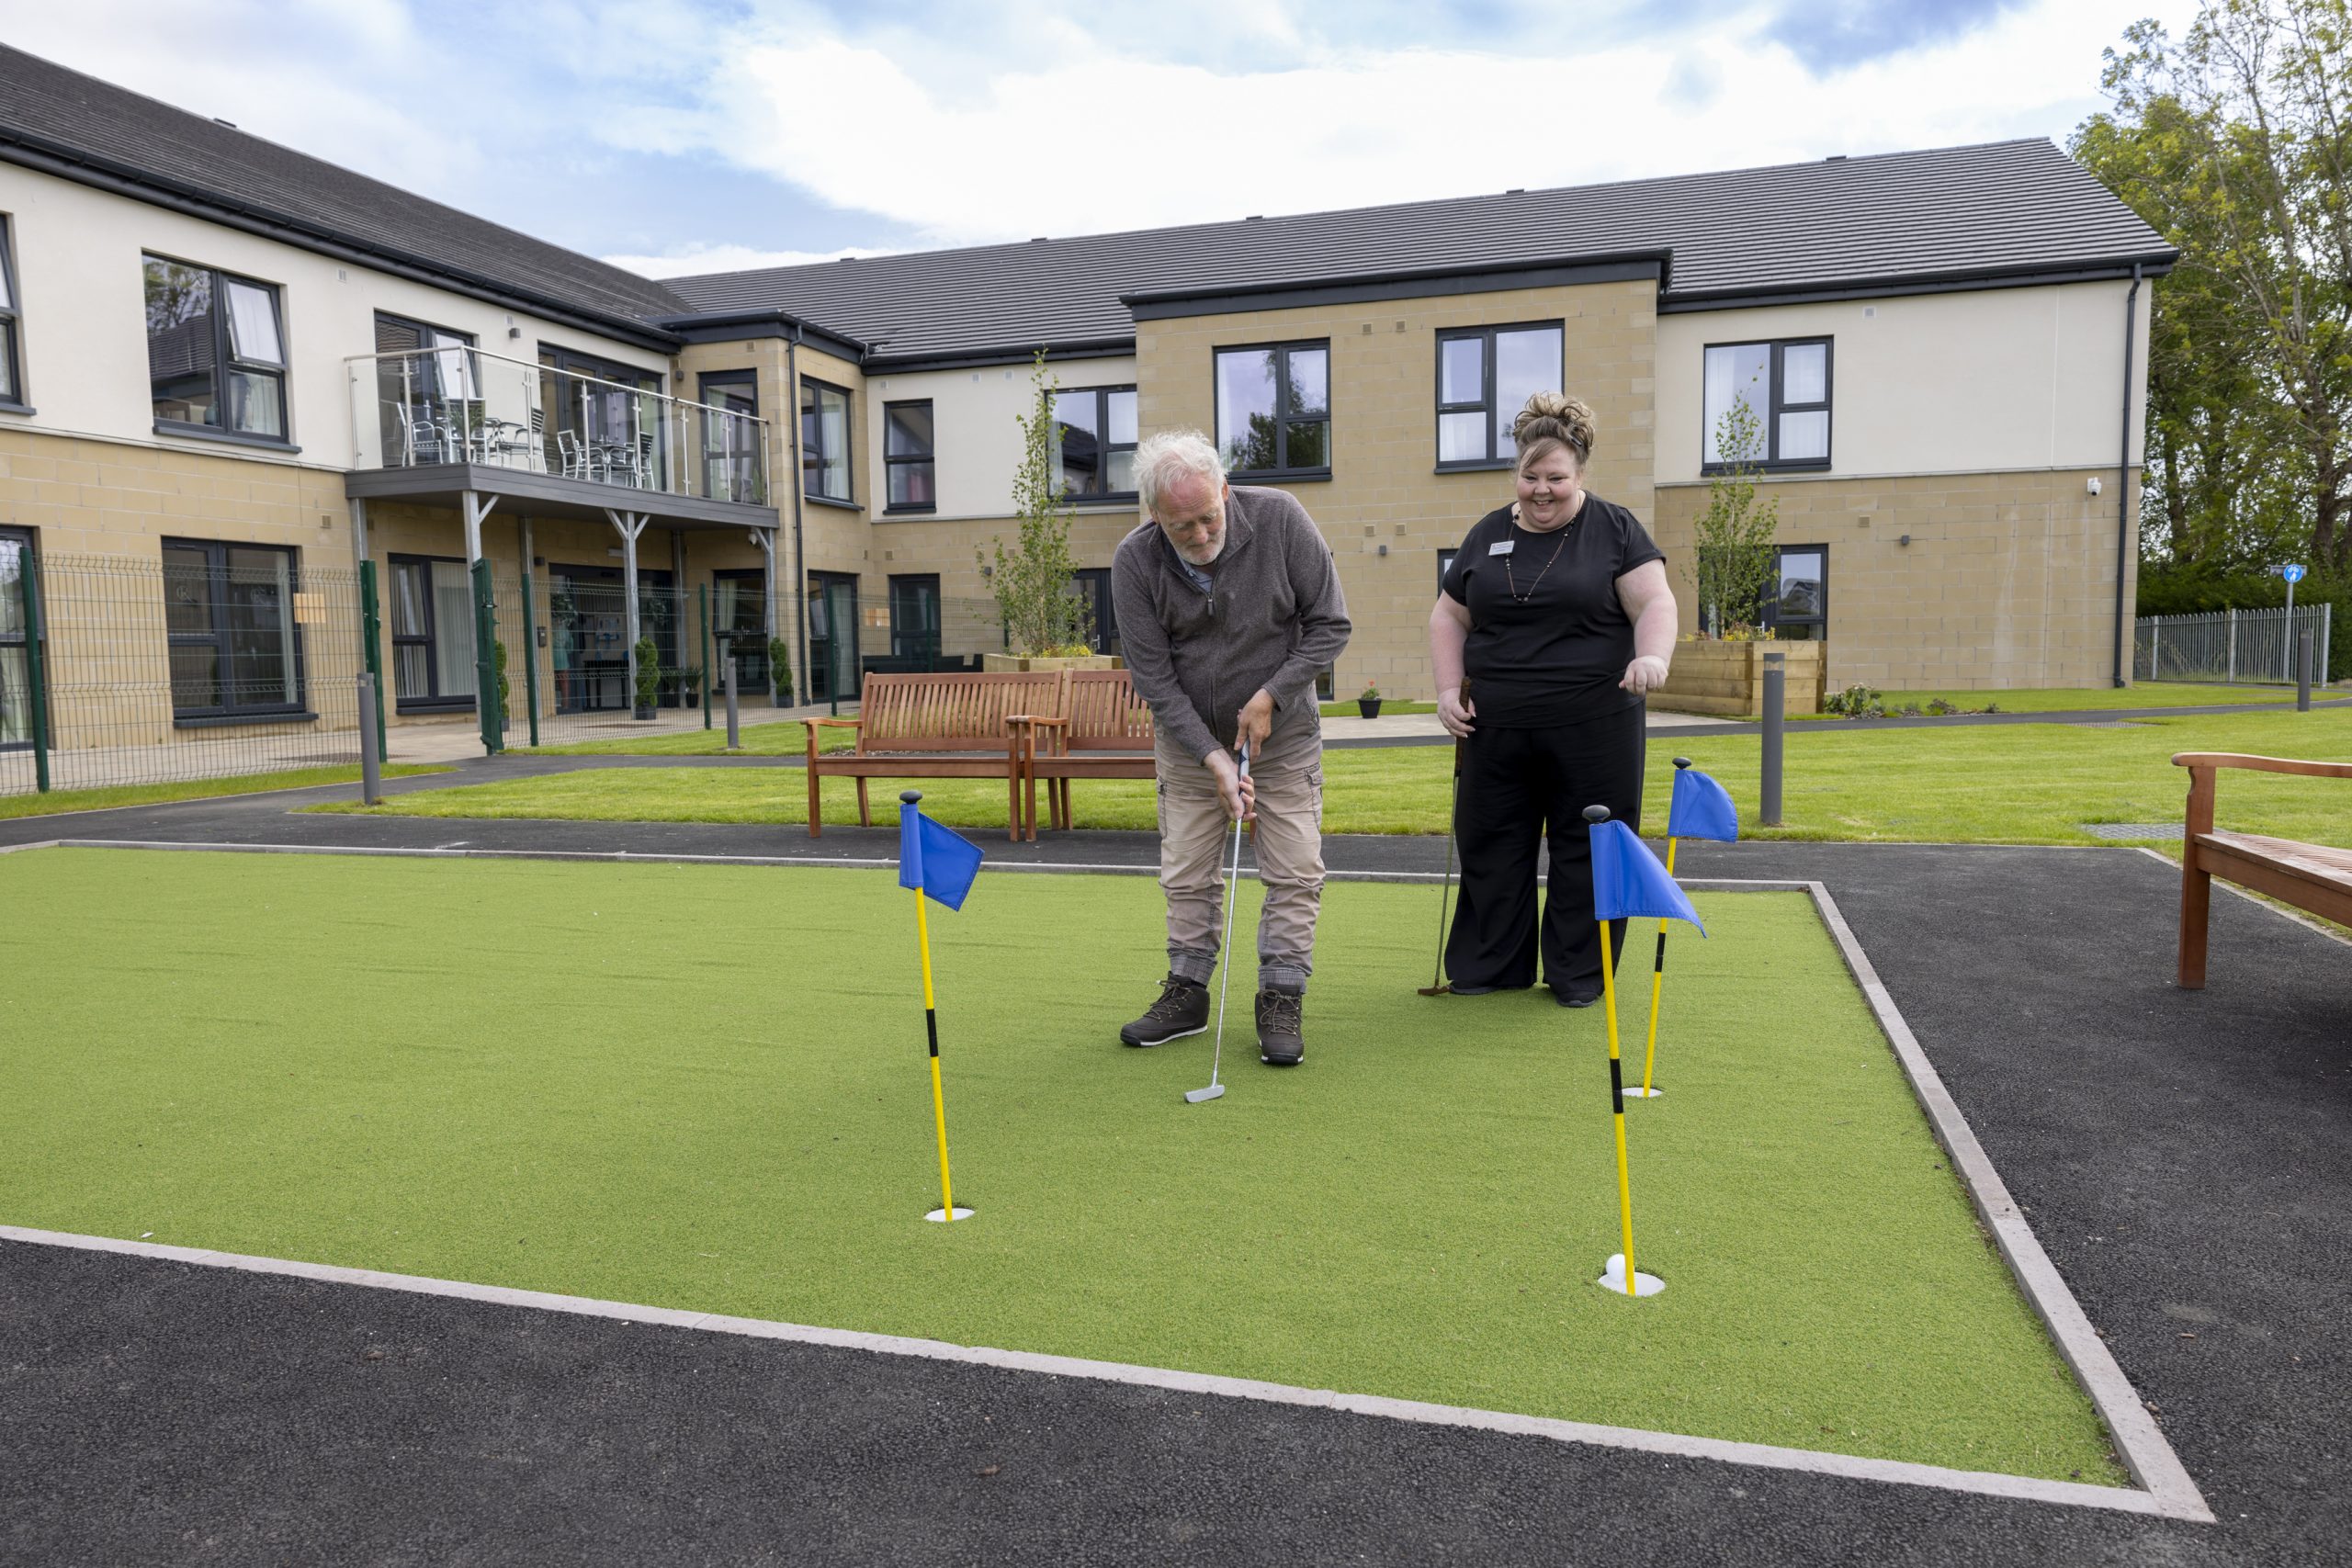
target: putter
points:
(1224, 962)
(1438, 986)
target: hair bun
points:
(1555, 416)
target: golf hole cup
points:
(1613, 1277)
(940, 1216)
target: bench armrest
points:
(2195, 760)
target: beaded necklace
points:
(1511, 580)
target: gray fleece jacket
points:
(1272, 618)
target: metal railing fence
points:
(206, 662)
(2231, 646)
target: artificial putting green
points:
(704, 1088)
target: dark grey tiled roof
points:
(84, 127)
(1958, 213)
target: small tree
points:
(1034, 583)
(1734, 532)
(649, 673)
(780, 671)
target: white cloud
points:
(687, 261)
(1095, 141)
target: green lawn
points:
(1976, 783)
(784, 737)
(597, 1081)
(2082, 699)
(58, 800)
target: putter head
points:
(1437, 990)
(1195, 1096)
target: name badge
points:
(1503, 549)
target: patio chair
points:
(509, 440)
(572, 452)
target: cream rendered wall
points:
(975, 416)
(84, 324)
(1987, 381)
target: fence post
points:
(371, 639)
(1768, 808)
(702, 605)
(2303, 671)
(530, 643)
(2155, 647)
(2234, 643)
(29, 575)
(486, 660)
(371, 773)
(734, 724)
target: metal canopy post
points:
(493, 722)
(702, 605)
(765, 540)
(530, 631)
(28, 578)
(628, 526)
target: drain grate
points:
(2131, 830)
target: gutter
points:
(2124, 470)
(153, 191)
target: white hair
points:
(1170, 457)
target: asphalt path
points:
(2183, 1157)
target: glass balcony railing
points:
(432, 407)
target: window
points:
(603, 422)
(1273, 410)
(1093, 585)
(215, 358)
(1484, 376)
(12, 368)
(1095, 442)
(228, 616)
(907, 456)
(914, 621)
(1446, 564)
(15, 650)
(1798, 607)
(739, 611)
(426, 380)
(1785, 387)
(834, 669)
(731, 457)
(433, 633)
(824, 441)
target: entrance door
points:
(433, 633)
(739, 616)
(588, 634)
(16, 654)
(832, 637)
(914, 622)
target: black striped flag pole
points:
(946, 1212)
(1658, 984)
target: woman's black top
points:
(1548, 640)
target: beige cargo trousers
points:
(1196, 836)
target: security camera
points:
(2094, 484)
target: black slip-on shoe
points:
(1280, 1020)
(1183, 1008)
(1575, 998)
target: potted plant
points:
(1368, 700)
(780, 671)
(690, 680)
(648, 677)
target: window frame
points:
(1282, 350)
(1108, 447)
(216, 576)
(29, 560)
(1771, 616)
(929, 458)
(225, 358)
(1485, 336)
(1772, 462)
(438, 701)
(1093, 584)
(895, 589)
(12, 313)
(808, 402)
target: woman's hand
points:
(1644, 675)
(1456, 712)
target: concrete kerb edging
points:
(2139, 1442)
(37, 844)
(2169, 1490)
(1755, 1455)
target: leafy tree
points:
(2236, 142)
(1034, 582)
(1734, 532)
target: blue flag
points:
(1701, 809)
(1629, 882)
(940, 862)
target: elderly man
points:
(1228, 605)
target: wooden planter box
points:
(1726, 679)
(1016, 663)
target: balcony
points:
(429, 424)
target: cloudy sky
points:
(678, 136)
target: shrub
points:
(1855, 702)
(780, 671)
(649, 673)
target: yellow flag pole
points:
(1617, 1105)
(1657, 983)
(931, 1025)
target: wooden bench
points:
(1098, 728)
(935, 726)
(2311, 877)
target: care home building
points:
(265, 422)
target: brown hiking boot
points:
(1183, 1008)
(1280, 1021)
